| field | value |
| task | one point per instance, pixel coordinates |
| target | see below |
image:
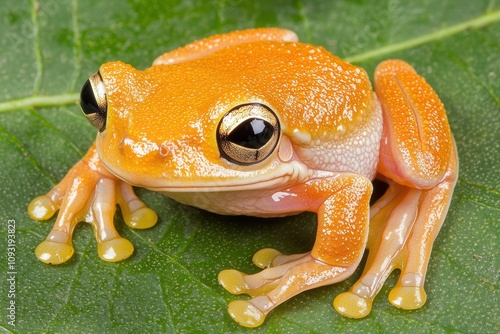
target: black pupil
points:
(87, 99)
(252, 133)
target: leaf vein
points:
(169, 319)
(438, 34)
(466, 272)
(77, 43)
(36, 47)
(492, 191)
(39, 102)
(481, 82)
(64, 301)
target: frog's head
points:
(168, 131)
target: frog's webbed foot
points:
(89, 193)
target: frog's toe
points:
(264, 257)
(408, 297)
(233, 281)
(52, 252)
(270, 257)
(115, 250)
(352, 306)
(245, 313)
(42, 208)
(142, 218)
(237, 283)
(135, 213)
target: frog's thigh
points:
(340, 242)
(416, 141)
(408, 217)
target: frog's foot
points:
(287, 276)
(89, 193)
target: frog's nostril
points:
(93, 101)
(166, 149)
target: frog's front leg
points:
(89, 193)
(419, 161)
(342, 204)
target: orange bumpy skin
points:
(259, 124)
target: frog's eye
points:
(248, 134)
(93, 101)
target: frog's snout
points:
(93, 101)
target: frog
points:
(256, 123)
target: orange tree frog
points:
(255, 123)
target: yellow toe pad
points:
(352, 306)
(115, 250)
(233, 281)
(408, 297)
(51, 252)
(245, 313)
(265, 257)
(142, 218)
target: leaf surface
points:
(49, 48)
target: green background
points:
(49, 48)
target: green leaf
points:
(49, 48)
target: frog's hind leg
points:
(275, 285)
(407, 219)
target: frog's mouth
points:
(263, 183)
(290, 173)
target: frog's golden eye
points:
(248, 134)
(93, 101)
